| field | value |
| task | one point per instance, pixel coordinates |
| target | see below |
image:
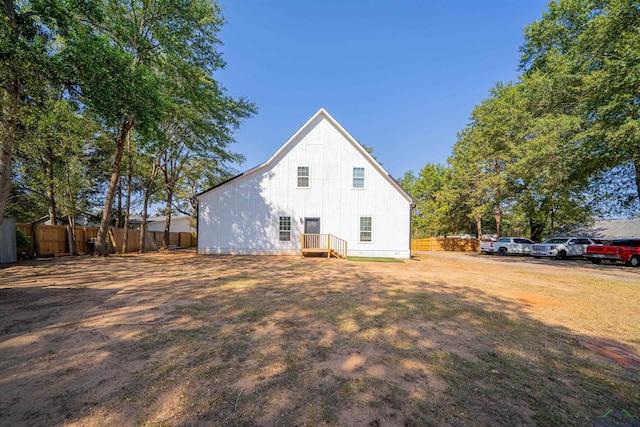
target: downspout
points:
(411, 207)
(198, 227)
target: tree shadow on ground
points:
(243, 341)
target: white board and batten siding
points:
(178, 224)
(242, 216)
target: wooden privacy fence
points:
(452, 244)
(183, 239)
(51, 240)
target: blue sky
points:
(400, 76)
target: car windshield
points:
(556, 240)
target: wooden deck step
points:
(325, 245)
(320, 252)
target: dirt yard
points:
(445, 339)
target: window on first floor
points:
(358, 177)
(284, 226)
(303, 176)
(365, 228)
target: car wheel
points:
(502, 251)
(561, 255)
(596, 261)
(634, 261)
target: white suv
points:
(562, 247)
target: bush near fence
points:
(51, 240)
(451, 244)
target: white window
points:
(285, 228)
(365, 228)
(303, 176)
(358, 177)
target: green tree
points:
(522, 155)
(32, 44)
(150, 51)
(485, 152)
(599, 43)
(430, 216)
(52, 159)
(464, 190)
(201, 174)
(148, 167)
(200, 127)
(548, 179)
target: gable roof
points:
(321, 113)
(613, 228)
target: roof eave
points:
(347, 135)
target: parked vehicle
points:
(507, 246)
(562, 247)
(625, 250)
(486, 246)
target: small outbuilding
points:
(321, 192)
(613, 229)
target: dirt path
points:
(443, 339)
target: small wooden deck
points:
(323, 245)
(320, 252)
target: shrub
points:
(22, 241)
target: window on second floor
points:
(303, 176)
(358, 177)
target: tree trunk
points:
(479, 227)
(51, 200)
(10, 95)
(119, 208)
(147, 195)
(497, 214)
(127, 209)
(636, 166)
(143, 224)
(101, 240)
(73, 238)
(537, 228)
(125, 240)
(194, 213)
(166, 240)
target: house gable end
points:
(311, 124)
(321, 176)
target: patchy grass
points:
(168, 339)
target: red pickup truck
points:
(625, 250)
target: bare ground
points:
(443, 339)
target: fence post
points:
(36, 240)
(328, 245)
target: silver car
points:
(562, 247)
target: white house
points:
(179, 224)
(320, 181)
